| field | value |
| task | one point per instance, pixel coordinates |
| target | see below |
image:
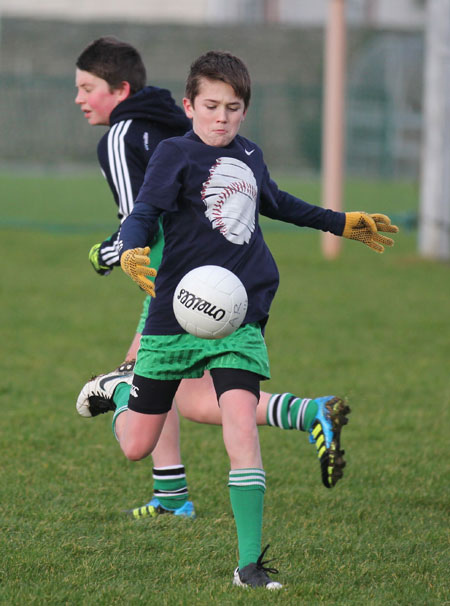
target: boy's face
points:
(216, 112)
(95, 98)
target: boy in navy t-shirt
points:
(208, 188)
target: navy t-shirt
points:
(209, 199)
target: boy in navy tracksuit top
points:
(208, 188)
(137, 125)
(112, 91)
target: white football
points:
(210, 302)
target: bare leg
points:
(133, 349)
(240, 433)
(197, 401)
(167, 450)
(138, 433)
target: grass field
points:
(373, 328)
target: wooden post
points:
(333, 154)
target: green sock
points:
(170, 486)
(120, 399)
(121, 395)
(289, 412)
(247, 487)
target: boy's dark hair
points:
(114, 61)
(219, 65)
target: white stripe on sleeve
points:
(119, 168)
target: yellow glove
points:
(135, 263)
(365, 228)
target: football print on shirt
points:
(230, 199)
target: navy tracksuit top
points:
(137, 125)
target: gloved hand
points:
(135, 263)
(94, 258)
(366, 227)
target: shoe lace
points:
(260, 565)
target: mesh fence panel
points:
(41, 125)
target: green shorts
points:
(155, 262)
(169, 357)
